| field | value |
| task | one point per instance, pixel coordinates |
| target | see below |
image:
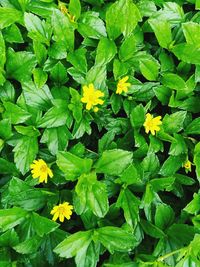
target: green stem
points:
(162, 258)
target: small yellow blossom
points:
(91, 97)
(188, 166)
(152, 124)
(41, 170)
(62, 211)
(122, 85)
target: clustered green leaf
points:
(135, 194)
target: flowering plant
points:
(99, 133)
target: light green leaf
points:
(159, 27)
(19, 65)
(29, 246)
(61, 25)
(8, 16)
(191, 31)
(74, 245)
(25, 152)
(150, 69)
(193, 127)
(91, 26)
(116, 239)
(129, 17)
(56, 138)
(187, 53)
(75, 8)
(9, 218)
(38, 29)
(55, 116)
(113, 162)
(73, 166)
(42, 225)
(15, 114)
(106, 51)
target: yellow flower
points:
(62, 211)
(152, 124)
(122, 85)
(41, 170)
(91, 97)
(187, 165)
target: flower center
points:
(61, 210)
(150, 124)
(92, 98)
(43, 168)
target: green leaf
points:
(128, 48)
(42, 225)
(91, 26)
(174, 123)
(129, 17)
(163, 94)
(7, 167)
(197, 160)
(193, 127)
(27, 130)
(55, 116)
(29, 246)
(174, 81)
(76, 106)
(150, 69)
(25, 152)
(187, 53)
(164, 216)
(9, 239)
(171, 165)
(159, 27)
(61, 24)
(115, 239)
(9, 218)
(78, 59)
(40, 77)
(56, 138)
(130, 205)
(151, 229)
(38, 98)
(106, 51)
(91, 193)
(73, 166)
(12, 34)
(193, 207)
(59, 74)
(113, 162)
(19, 193)
(191, 32)
(38, 29)
(8, 16)
(19, 65)
(15, 113)
(74, 245)
(2, 52)
(131, 175)
(5, 129)
(178, 146)
(75, 8)
(137, 116)
(7, 92)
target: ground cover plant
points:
(99, 133)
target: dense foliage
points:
(99, 133)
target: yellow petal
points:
(55, 217)
(61, 217)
